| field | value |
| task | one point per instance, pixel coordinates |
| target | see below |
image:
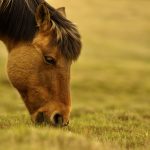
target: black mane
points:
(17, 22)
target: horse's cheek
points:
(19, 70)
(16, 75)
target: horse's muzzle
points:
(56, 119)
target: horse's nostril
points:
(40, 118)
(57, 119)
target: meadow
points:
(110, 84)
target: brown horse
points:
(42, 44)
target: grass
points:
(110, 84)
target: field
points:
(110, 84)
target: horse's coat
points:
(42, 43)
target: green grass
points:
(110, 84)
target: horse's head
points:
(41, 70)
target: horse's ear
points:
(42, 15)
(62, 11)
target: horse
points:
(42, 45)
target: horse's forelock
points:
(67, 35)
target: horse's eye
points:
(50, 60)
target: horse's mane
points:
(17, 22)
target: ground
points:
(110, 84)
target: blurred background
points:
(111, 77)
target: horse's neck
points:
(10, 44)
